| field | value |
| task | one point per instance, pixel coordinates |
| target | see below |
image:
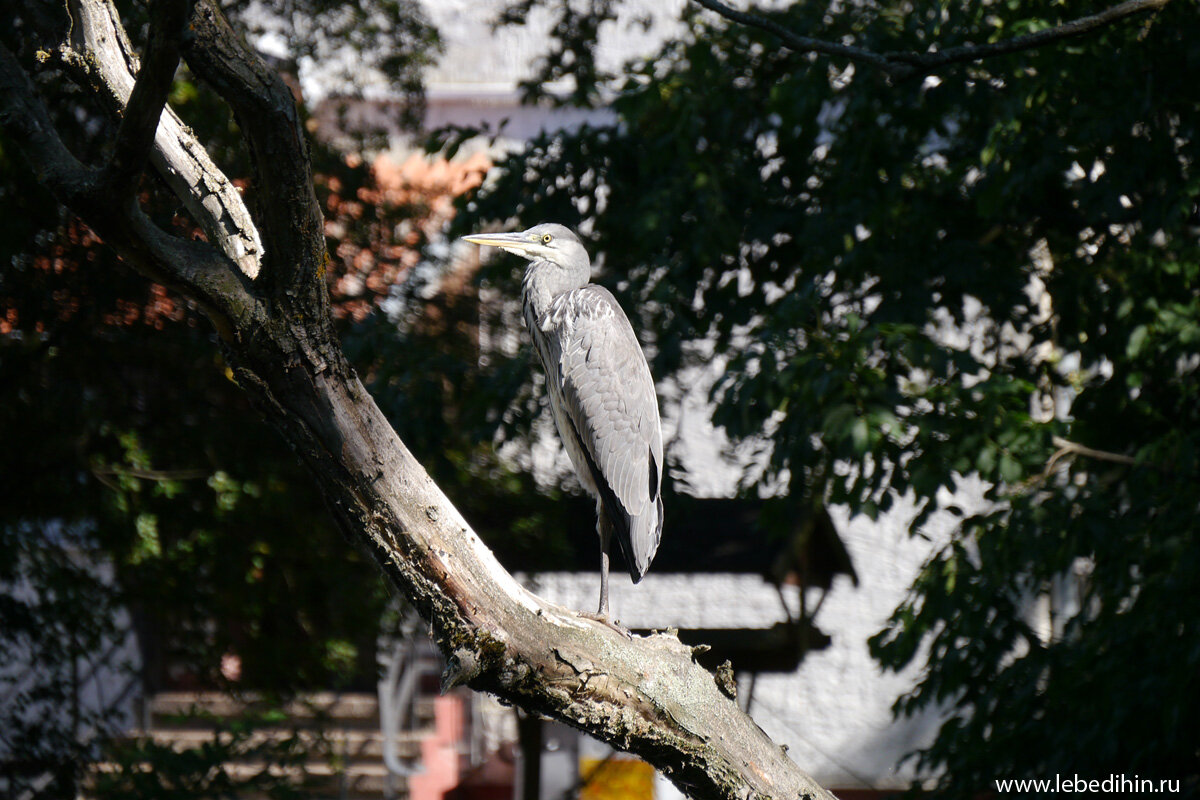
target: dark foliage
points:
(971, 274)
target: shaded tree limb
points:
(1067, 449)
(1065, 446)
(901, 65)
(803, 44)
(25, 119)
(289, 218)
(642, 694)
(194, 267)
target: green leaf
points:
(1137, 341)
(1010, 469)
(860, 433)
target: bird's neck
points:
(545, 281)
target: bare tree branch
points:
(193, 267)
(139, 125)
(900, 65)
(1067, 449)
(1066, 446)
(957, 55)
(103, 59)
(801, 44)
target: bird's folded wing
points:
(608, 394)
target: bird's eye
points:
(546, 238)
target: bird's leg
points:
(603, 610)
(605, 529)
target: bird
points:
(601, 391)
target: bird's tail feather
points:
(639, 537)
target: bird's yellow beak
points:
(517, 243)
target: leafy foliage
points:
(990, 272)
(148, 769)
(121, 420)
(60, 635)
(372, 48)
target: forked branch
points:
(104, 197)
(289, 216)
(100, 58)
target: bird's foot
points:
(606, 620)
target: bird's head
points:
(548, 241)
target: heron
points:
(601, 391)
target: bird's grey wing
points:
(609, 398)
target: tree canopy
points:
(977, 269)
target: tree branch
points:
(1065, 446)
(1084, 25)
(289, 214)
(191, 267)
(103, 60)
(25, 118)
(139, 125)
(797, 43)
(901, 65)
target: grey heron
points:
(600, 388)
